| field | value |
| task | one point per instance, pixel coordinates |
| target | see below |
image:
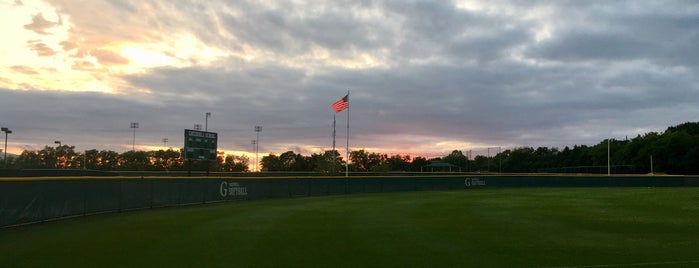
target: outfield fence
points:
(25, 201)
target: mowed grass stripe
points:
(534, 227)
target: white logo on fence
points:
(474, 182)
(232, 189)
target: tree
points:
(271, 162)
(417, 163)
(457, 158)
(28, 159)
(399, 162)
(288, 161)
(234, 163)
(364, 161)
(67, 157)
(329, 162)
(134, 160)
(107, 160)
(167, 160)
(90, 159)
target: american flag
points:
(341, 104)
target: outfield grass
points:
(534, 227)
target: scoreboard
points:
(199, 145)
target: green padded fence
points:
(32, 201)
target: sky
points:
(424, 77)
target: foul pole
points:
(347, 147)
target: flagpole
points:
(334, 154)
(347, 148)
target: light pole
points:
(134, 126)
(7, 131)
(165, 142)
(254, 149)
(258, 129)
(206, 121)
(197, 126)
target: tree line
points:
(65, 157)
(674, 151)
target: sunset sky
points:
(425, 77)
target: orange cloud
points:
(107, 57)
(83, 65)
(67, 45)
(41, 48)
(24, 69)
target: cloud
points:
(24, 69)
(106, 57)
(41, 25)
(41, 49)
(423, 75)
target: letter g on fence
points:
(224, 189)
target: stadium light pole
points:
(7, 131)
(165, 142)
(206, 121)
(254, 149)
(258, 129)
(134, 126)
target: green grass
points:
(534, 227)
